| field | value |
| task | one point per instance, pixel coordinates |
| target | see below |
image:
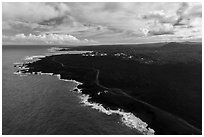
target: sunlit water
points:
(42, 104)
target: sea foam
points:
(129, 119)
(36, 57)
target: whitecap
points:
(55, 49)
(129, 119)
(33, 57)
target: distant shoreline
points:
(105, 44)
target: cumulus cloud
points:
(159, 16)
(158, 29)
(47, 38)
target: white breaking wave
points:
(33, 57)
(52, 51)
(19, 73)
(55, 49)
(129, 119)
(18, 63)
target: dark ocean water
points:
(42, 104)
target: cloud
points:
(157, 28)
(185, 23)
(66, 19)
(46, 38)
(33, 12)
(184, 6)
(181, 20)
(103, 22)
(195, 11)
(183, 15)
(186, 13)
(16, 27)
(159, 16)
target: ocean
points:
(45, 105)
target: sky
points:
(100, 23)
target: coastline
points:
(127, 118)
(144, 108)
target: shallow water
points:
(42, 104)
